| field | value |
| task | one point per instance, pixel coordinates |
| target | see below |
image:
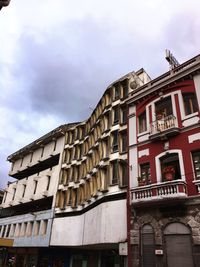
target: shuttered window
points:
(148, 246)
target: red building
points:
(164, 152)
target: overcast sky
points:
(58, 57)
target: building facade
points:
(91, 195)
(26, 212)
(67, 206)
(164, 150)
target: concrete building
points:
(67, 206)
(164, 150)
(27, 208)
(1, 195)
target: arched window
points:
(170, 167)
(148, 246)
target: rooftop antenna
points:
(173, 62)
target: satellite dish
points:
(133, 85)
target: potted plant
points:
(141, 181)
(168, 173)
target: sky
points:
(58, 57)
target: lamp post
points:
(4, 3)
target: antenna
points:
(173, 62)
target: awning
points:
(5, 242)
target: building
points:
(164, 151)
(67, 206)
(91, 195)
(4, 3)
(26, 212)
(1, 195)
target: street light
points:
(4, 3)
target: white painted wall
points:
(48, 151)
(28, 239)
(106, 223)
(197, 87)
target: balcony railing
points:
(165, 125)
(197, 183)
(153, 192)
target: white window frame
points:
(158, 165)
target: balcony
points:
(163, 127)
(176, 189)
(197, 183)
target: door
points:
(178, 246)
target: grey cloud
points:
(68, 72)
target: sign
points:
(5, 242)
(159, 252)
(123, 249)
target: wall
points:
(106, 223)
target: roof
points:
(57, 132)
(186, 68)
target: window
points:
(123, 141)
(5, 196)
(124, 115)
(21, 163)
(48, 182)
(42, 152)
(196, 163)
(142, 122)
(190, 103)
(55, 144)
(170, 167)
(115, 141)
(35, 188)
(117, 92)
(145, 173)
(115, 172)
(124, 173)
(24, 190)
(14, 192)
(163, 108)
(31, 158)
(116, 115)
(125, 88)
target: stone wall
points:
(159, 217)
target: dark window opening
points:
(190, 103)
(142, 122)
(145, 173)
(163, 108)
(170, 167)
(115, 146)
(116, 115)
(115, 172)
(196, 163)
